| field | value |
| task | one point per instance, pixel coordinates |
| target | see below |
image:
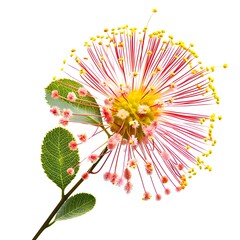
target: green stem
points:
(47, 223)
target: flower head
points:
(147, 87)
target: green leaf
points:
(83, 106)
(57, 157)
(76, 206)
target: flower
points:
(152, 92)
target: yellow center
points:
(136, 107)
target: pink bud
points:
(112, 143)
(73, 145)
(63, 121)
(107, 114)
(118, 137)
(55, 111)
(127, 174)
(107, 176)
(165, 155)
(178, 188)
(82, 92)
(67, 113)
(128, 187)
(158, 197)
(70, 171)
(71, 96)
(180, 166)
(114, 178)
(164, 179)
(55, 94)
(93, 157)
(119, 181)
(82, 137)
(167, 191)
(85, 176)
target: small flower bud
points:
(71, 96)
(82, 92)
(73, 145)
(85, 176)
(55, 94)
(55, 111)
(70, 171)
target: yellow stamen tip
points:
(135, 74)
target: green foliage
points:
(76, 206)
(85, 105)
(56, 156)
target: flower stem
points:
(47, 223)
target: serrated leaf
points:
(76, 206)
(86, 107)
(56, 156)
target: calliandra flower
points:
(153, 94)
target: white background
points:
(35, 37)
